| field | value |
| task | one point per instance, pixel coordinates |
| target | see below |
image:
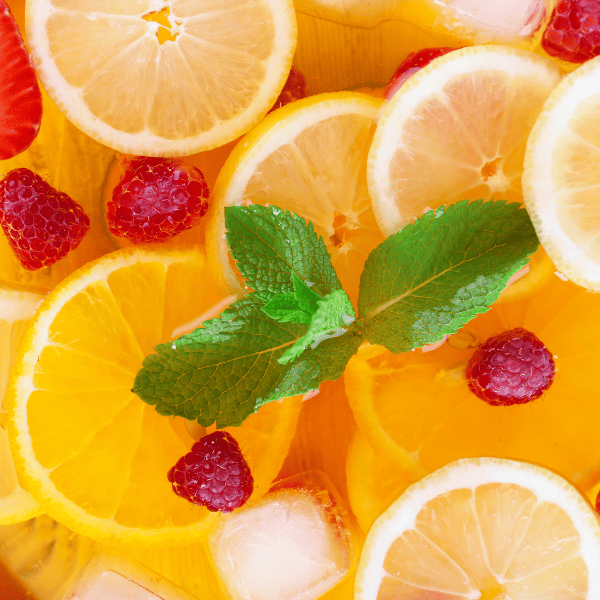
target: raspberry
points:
(511, 368)
(42, 224)
(573, 32)
(294, 89)
(156, 199)
(410, 65)
(214, 474)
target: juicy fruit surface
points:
(573, 33)
(513, 367)
(20, 96)
(41, 223)
(483, 528)
(102, 321)
(281, 161)
(456, 130)
(186, 77)
(294, 89)
(214, 474)
(17, 305)
(156, 199)
(560, 181)
(418, 410)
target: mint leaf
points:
(439, 272)
(286, 308)
(298, 307)
(226, 369)
(332, 319)
(269, 244)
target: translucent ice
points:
(108, 577)
(295, 544)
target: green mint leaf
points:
(326, 362)
(439, 272)
(307, 298)
(332, 319)
(269, 244)
(286, 308)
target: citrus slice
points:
(457, 130)
(374, 481)
(171, 77)
(561, 181)
(487, 529)
(17, 306)
(308, 157)
(89, 450)
(416, 408)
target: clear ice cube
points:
(294, 544)
(110, 577)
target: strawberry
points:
(20, 96)
(294, 89)
(573, 32)
(410, 65)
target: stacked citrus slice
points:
(561, 178)
(308, 157)
(167, 78)
(89, 450)
(484, 528)
(457, 130)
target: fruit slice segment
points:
(17, 305)
(561, 178)
(91, 451)
(457, 130)
(307, 157)
(483, 528)
(166, 78)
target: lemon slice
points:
(162, 77)
(484, 529)
(89, 450)
(308, 157)
(17, 306)
(561, 178)
(457, 130)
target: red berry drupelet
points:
(573, 33)
(511, 368)
(410, 65)
(156, 199)
(294, 89)
(214, 474)
(42, 224)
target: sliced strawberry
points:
(20, 96)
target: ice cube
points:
(110, 577)
(507, 19)
(294, 544)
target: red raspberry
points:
(214, 474)
(156, 199)
(511, 368)
(573, 32)
(42, 224)
(410, 65)
(294, 89)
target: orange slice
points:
(89, 450)
(308, 157)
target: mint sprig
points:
(298, 328)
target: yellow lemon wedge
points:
(308, 157)
(166, 78)
(561, 181)
(487, 529)
(457, 129)
(90, 451)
